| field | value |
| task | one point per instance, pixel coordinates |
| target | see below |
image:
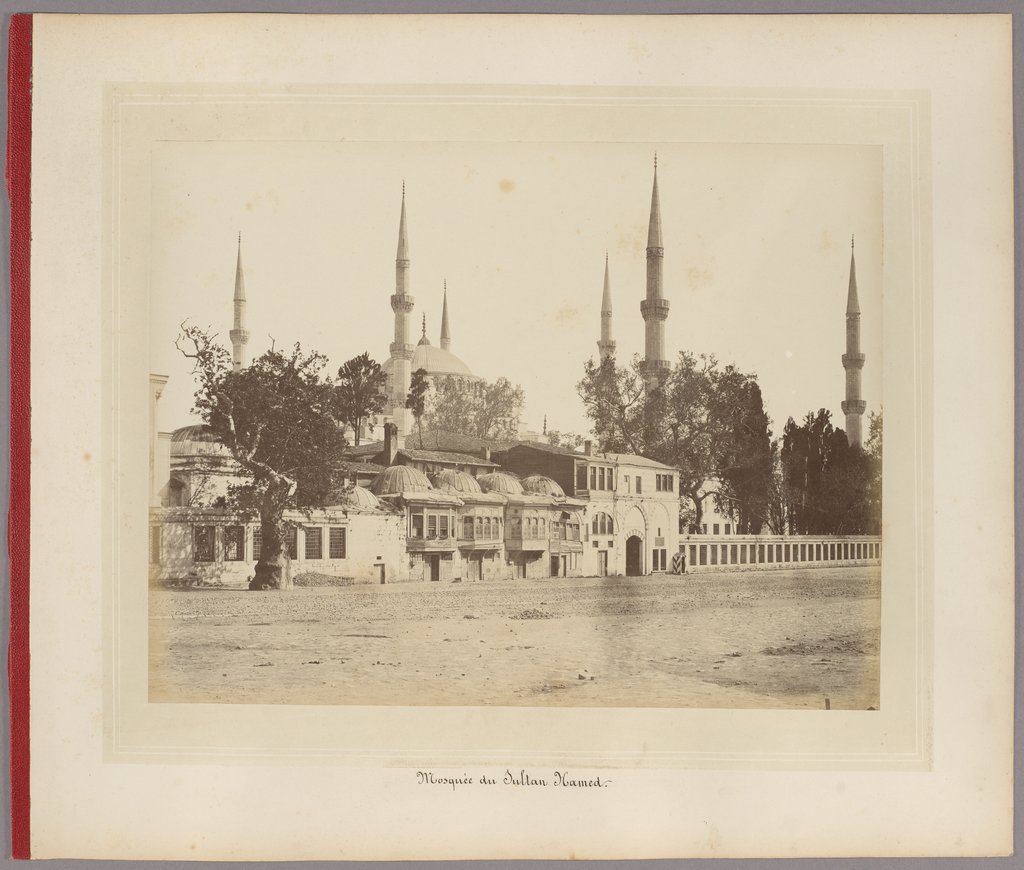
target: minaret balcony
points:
(655, 252)
(402, 303)
(853, 360)
(854, 406)
(401, 351)
(656, 369)
(239, 335)
(654, 309)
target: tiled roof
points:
(370, 448)
(548, 448)
(355, 467)
(444, 456)
(449, 441)
(633, 459)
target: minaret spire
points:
(403, 235)
(446, 332)
(401, 350)
(654, 307)
(239, 334)
(606, 345)
(853, 361)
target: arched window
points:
(602, 524)
(177, 493)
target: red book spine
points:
(19, 190)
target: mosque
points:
(467, 509)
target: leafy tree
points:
(776, 517)
(705, 420)
(615, 400)
(482, 409)
(873, 447)
(568, 440)
(745, 473)
(706, 410)
(360, 388)
(279, 419)
(826, 481)
(416, 401)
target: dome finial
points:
(851, 241)
(424, 323)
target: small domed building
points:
(195, 539)
(481, 525)
(430, 520)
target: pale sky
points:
(757, 255)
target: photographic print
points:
(441, 417)
(516, 423)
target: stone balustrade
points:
(755, 552)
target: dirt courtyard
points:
(744, 639)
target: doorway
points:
(634, 556)
(602, 563)
(435, 568)
(554, 566)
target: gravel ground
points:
(750, 639)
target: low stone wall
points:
(704, 553)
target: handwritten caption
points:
(555, 779)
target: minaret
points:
(446, 332)
(655, 307)
(853, 361)
(606, 346)
(401, 350)
(239, 335)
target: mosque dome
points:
(500, 481)
(538, 484)
(197, 440)
(459, 481)
(396, 479)
(438, 362)
(359, 498)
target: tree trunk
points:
(698, 512)
(273, 570)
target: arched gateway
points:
(634, 556)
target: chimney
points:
(588, 448)
(390, 443)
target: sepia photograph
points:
(505, 423)
(441, 418)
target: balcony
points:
(472, 542)
(528, 542)
(431, 544)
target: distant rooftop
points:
(445, 456)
